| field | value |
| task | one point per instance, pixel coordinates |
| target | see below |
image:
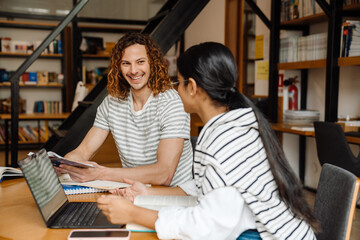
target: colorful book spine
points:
(74, 189)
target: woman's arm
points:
(221, 214)
(119, 210)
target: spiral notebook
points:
(74, 189)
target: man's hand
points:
(81, 174)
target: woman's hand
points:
(116, 208)
(137, 188)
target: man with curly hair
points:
(145, 116)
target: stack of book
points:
(301, 117)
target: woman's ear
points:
(192, 87)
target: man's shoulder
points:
(114, 100)
(169, 95)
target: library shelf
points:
(96, 56)
(22, 24)
(286, 128)
(22, 85)
(349, 61)
(281, 127)
(302, 65)
(24, 55)
(316, 18)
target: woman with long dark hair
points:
(245, 186)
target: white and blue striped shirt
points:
(230, 152)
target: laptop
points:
(49, 196)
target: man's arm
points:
(161, 173)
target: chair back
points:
(193, 140)
(332, 147)
(335, 202)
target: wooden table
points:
(21, 219)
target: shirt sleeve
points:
(101, 119)
(189, 187)
(221, 214)
(175, 122)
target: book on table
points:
(73, 187)
(156, 202)
(10, 172)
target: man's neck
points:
(140, 98)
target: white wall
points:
(209, 25)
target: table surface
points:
(21, 219)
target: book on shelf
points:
(10, 172)
(156, 202)
(350, 38)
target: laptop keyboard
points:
(78, 214)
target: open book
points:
(156, 203)
(56, 160)
(10, 172)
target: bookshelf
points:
(322, 74)
(54, 63)
(31, 117)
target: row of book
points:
(48, 107)
(26, 134)
(350, 39)
(9, 45)
(33, 78)
(303, 48)
(294, 9)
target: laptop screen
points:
(43, 183)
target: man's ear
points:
(192, 87)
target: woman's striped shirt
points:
(137, 134)
(230, 152)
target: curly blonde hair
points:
(159, 80)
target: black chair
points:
(335, 202)
(193, 140)
(332, 147)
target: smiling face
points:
(135, 67)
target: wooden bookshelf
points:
(302, 65)
(349, 61)
(22, 23)
(345, 61)
(316, 18)
(96, 56)
(286, 128)
(43, 55)
(49, 85)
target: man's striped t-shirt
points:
(230, 152)
(137, 134)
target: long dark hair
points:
(213, 67)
